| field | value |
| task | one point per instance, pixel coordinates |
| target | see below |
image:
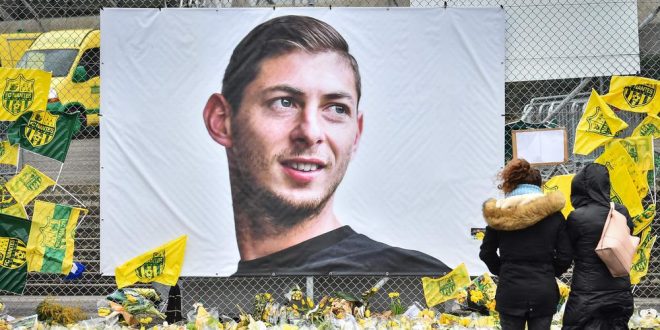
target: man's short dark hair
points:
(276, 37)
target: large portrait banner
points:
(300, 141)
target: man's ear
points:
(358, 135)
(217, 115)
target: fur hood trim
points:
(519, 212)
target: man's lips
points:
(303, 170)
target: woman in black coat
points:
(528, 228)
(597, 300)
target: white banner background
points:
(433, 98)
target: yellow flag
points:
(437, 290)
(644, 219)
(597, 125)
(563, 184)
(642, 257)
(635, 94)
(9, 205)
(23, 90)
(8, 153)
(50, 244)
(614, 157)
(650, 126)
(640, 149)
(162, 264)
(27, 184)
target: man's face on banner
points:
(297, 128)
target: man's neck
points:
(255, 243)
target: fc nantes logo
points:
(6, 200)
(54, 233)
(639, 95)
(448, 287)
(31, 180)
(550, 188)
(18, 94)
(12, 252)
(152, 268)
(41, 127)
(597, 123)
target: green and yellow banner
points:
(597, 125)
(50, 247)
(634, 94)
(438, 290)
(22, 90)
(640, 266)
(27, 184)
(44, 132)
(14, 234)
(644, 219)
(561, 183)
(162, 264)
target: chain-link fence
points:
(50, 27)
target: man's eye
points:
(339, 109)
(285, 102)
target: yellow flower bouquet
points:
(481, 294)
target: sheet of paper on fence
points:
(541, 146)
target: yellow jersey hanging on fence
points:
(23, 90)
(634, 94)
(597, 125)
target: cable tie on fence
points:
(501, 6)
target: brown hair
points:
(518, 171)
(278, 36)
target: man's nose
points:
(308, 130)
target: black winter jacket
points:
(597, 300)
(529, 231)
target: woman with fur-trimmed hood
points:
(597, 299)
(529, 230)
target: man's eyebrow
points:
(339, 95)
(284, 88)
(297, 92)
